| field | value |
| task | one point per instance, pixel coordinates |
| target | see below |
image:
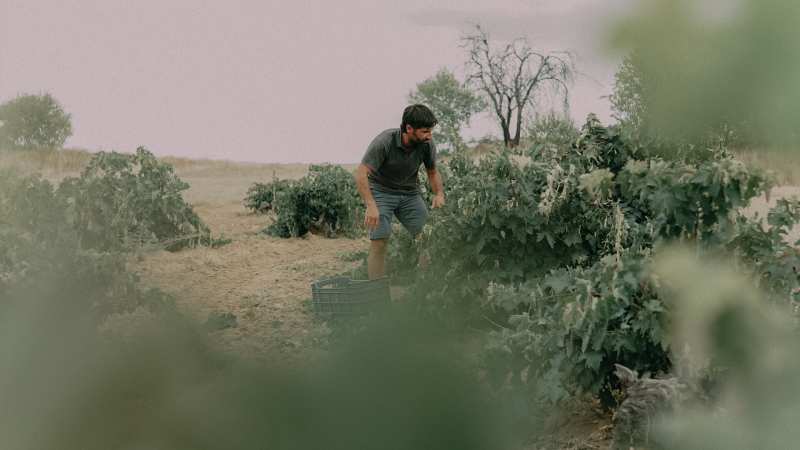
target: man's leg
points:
(413, 213)
(376, 261)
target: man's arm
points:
(362, 183)
(436, 185)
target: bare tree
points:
(515, 76)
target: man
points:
(387, 180)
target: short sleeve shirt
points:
(395, 168)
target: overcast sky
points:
(270, 81)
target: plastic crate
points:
(343, 296)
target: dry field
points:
(264, 281)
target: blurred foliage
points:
(324, 201)
(221, 321)
(399, 384)
(31, 122)
(40, 244)
(75, 237)
(718, 62)
(631, 101)
(452, 103)
(722, 320)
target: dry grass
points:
(214, 181)
(49, 163)
(784, 163)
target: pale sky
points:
(270, 81)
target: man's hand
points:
(438, 201)
(436, 186)
(372, 217)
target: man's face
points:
(419, 135)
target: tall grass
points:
(783, 162)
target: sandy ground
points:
(263, 280)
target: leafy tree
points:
(629, 98)
(34, 122)
(514, 77)
(452, 102)
(552, 131)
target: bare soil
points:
(264, 281)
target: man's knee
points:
(414, 216)
(417, 223)
(378, 245)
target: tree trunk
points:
(506, 132)
(506, 136)
(515, 141)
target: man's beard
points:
(416, 140)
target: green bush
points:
(260, 197)
(74, 237)
(509, 219)
(39, 246)
(556, 250)
(324, 201)
(33, 122)
(121, 201)
(550, 132)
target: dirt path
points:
(264, 281)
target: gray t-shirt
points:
(394, 168)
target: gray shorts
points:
(410, 210)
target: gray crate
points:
(343, 296)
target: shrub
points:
(34, 122)
(40, 250)
(508, 219)
(260, 197)
(121, 201)
(556, 249)
(324, 201)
